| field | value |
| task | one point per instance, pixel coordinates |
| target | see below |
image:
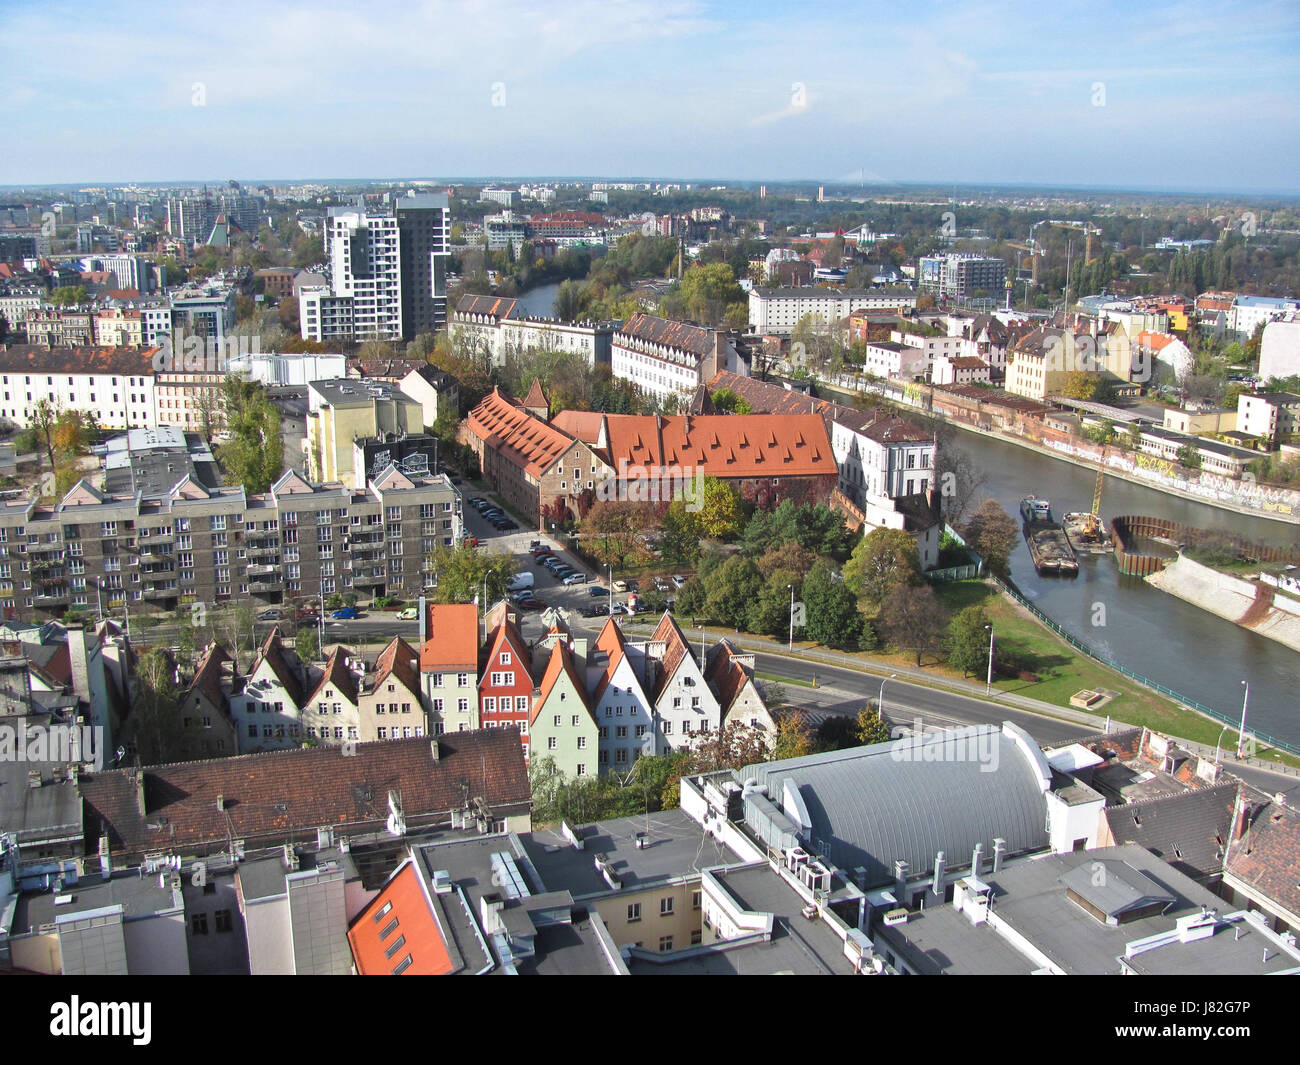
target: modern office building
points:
(961, 276)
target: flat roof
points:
(677, 846)
(139, 896)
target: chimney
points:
(1240, 817)
(139, 792)
(940, 867)
(490, 907)
(999, 851)
(901, 870)
(977, 856)
(105, 858)
(433, 748)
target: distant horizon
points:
(810, 183)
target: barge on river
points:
(1049, 547)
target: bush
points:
(1027, 677)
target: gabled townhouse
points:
(388, 704)
(623, 712)
(505, 689)
(449, 667)
(329, 713)
(560, 726)
(684, 705)
(730, 676)
(207, 729)
(266, 707)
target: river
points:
(1149, 631)
(539, 302)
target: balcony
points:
(368, 580)
(367, 551)
(53, 598)
(260, 536)
(369, 535)
(156, 594)
(262, 587)
(264, 552)
(161, 538)
(47, 549)
(262, 570)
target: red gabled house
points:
(505, 688)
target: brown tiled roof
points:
(536, 397)
(518, 437)
(269, 798)
(398, 660)
(272, 653)
(208, 679)
(725, 676)
(337, 674)
(1188, 830)
(495, 306)
(1267, 856)
(691, 338)
(675, 650)
(37, 358)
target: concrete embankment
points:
(1229, 597)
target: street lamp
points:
(791, 645)
(1218, 742)
(988, 688)
(880, 701)
(611, 589)
(1241, 734)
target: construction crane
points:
(1086, 228)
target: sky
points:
(1119, 94)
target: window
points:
(697, 937)
(521, 702)
(505, 658)
(666, 906)
(695, 900)
(550, 743)
(398, 944)
(633, 912)
(199, 924)
(402, 966)
(668, 728)
(388, 929)
(640, 731)
(582, 769)
(582, 743)
(574, 721)
(223, 921)
(665, 942)
(620, 732)
(489, 704)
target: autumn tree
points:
(733, 746)
(610, 530)
(883, 560)
(721, 513)
(462, 573)
(992, 533)
(871, 729)
(793, 735)
(913, 620)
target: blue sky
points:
(1195, 95)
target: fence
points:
(1147, 682)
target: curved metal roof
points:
(910, 798)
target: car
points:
(474, 501)
(521, 597)
(502, 526)
(532, 604)
(661, 584)
(598, 610)
(553, 563)
(620, 586)
(347, 613)
(309, 613)
(633, 586)
(471, 541)
(542, 554)
(595, 591)
(489, 512)
(533, 545)
(411, 613)
(509, 525)
(563, 570)
(576, 578)
(269, 615)
(678, 580)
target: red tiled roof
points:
(1267, 856)
(405, 904)
(516, 435)
(272, 653)
(337, 674)
(272, 797)
(398, 660)
(452, 631)
(612, 643)
(495, 306)
(726, 676)
(583, 425)
(208, 679)
(536, 397)
(675, 650)
(722, 445)
(559, 664)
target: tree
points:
(1189, 456)
(254, 455)
(464, 573)
(732, 591)
(831, 610)
(968, 641)
(721, 515)
(882, 560)
(691, 599)
(306, 643)
(725, 401)
(568, 299)
(991, 533)
(871, 729)
(682, 533)
(68, 295)
(155, 720)
(956, 474)
(913, 619)
(235, 628)
(45, 415)
(610, 531)
(733, 746)
(793, 735)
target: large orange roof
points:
(402, 910)
(723, 445)
(452, 638)
(516, 435)
(560, 663)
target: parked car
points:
(509, 526)
(269, 615)
(597, 610)
(533, 545)
(678, 580)
(474, 501)
(520, 581)
(633, 586)
(309, 613)
(576, 578)
(620, 586)
(661, 584)
(596, 590)
(471, 541)
(411, 613)
(347, 613)
(532, 604)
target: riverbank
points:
(1229, 597)
(1088, 464)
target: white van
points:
(520, 581)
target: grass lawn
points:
(777, 679)
(1064, 671)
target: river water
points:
(1196, 653)
(1149, 631)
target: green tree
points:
(464, 572)
(793, 736)
(968, 641)
(721, 515)
(45, 416)
(883, 559)
(155, 721)
(682, 532)
(870, 728)
(725, 401)
(68, 295)
(253, 456)
(831, 610)
(732, 591)
(992, 533)
(1189, 456)
(306, 643)
(691, 599)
